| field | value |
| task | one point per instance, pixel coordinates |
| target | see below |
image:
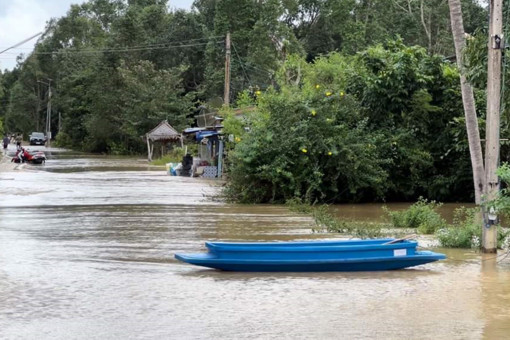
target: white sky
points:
(21, 19)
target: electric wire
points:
(165, 46)
(240, 61)
(253, 71)
(21, 42)
(259, 69)
(161, 44)
(66, 51)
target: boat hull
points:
(312, 256)
(311, 250)
(211, 260)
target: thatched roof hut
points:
(163, 133)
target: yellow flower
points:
(258, 93)
(314, 112)
(328, 94)
(237, 139)
(317, 86)
(304, 150)
(341, 94)
(330, 153)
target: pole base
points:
(489, 250)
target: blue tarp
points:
(205, 134)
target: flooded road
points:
(86, 252)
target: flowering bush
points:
(305, 145)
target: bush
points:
(311, 146)
(465, 232)
(422, 216)
(174, 156)
(63, 140)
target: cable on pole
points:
(241, 63)
(21, 42)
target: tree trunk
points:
(426, 28)
(468, 100)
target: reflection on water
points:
(89, 255)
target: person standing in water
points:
(6, 143)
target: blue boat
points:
(312, 256)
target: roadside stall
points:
(162, 134)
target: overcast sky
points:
(20, 19)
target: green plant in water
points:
(464, 232)
(174, 156)
(422, 216)
(326, 222)
(296, 205)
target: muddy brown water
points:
(86, 252)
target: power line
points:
(255, 71)
(22, 42)
(240, 61)
(162, 44)
(67, 51)
(123, 50)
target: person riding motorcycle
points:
(20, 153)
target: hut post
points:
(220, 159)
(149, 154)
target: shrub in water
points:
(464, 232)
(173, 156)
(422, 216)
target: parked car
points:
(37, 138)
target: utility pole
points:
(48, 116)
(226, 93)
(496, 42)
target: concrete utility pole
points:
(226, 93)
(496, 45)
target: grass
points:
(324, 221)
(466, 231)
(174, 156)
(422, 217)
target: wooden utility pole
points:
(226, 93)
(496, 45)
(48, 116)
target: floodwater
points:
(86, 252)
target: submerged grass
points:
(421, 217)
(324, 221)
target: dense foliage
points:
(380, 124)
(341, 106)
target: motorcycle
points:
(25, 156)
